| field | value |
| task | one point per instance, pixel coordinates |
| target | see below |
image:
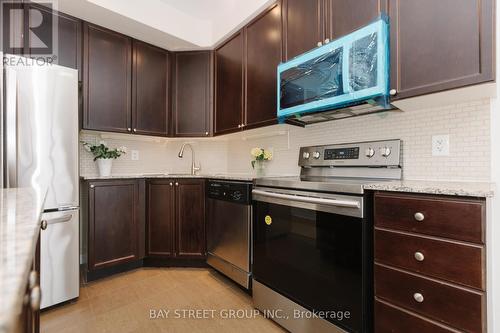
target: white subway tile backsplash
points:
(467, 124)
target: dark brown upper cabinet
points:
(149, 89)
(176, 218)
(263, 54)
(107, 80)
(303, 26)
(309, 24)
(160, 212)
(229, 76)
(345, 16)
(440, 45)
(114, 223)
(190, 218)
(245, 68)
(192, 93)
(68, 41)
(13, 41)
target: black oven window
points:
(311, 257)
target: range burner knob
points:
(316, 154)
(305, 155)
(369, 152)
(385, 152)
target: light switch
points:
(134, 155)
(441, 145)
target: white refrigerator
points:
(39, 149)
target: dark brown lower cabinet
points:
(190, 218)
(176, 218)
(430, 275)
(114, 222)
(160, 218)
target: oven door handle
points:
(312, 200)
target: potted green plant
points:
(104, 156)
(260, 156)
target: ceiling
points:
(170, 24)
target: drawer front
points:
(449, 218)
(389, 319)
(450, 261)
(453, 306)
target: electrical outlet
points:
(441, 145)
(134, 155)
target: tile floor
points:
(123, 303)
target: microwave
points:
(349, 71)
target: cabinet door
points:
(190, 218)
(160, 218)
(114, 231)
(107, 80)
(263, 54)
(150, 90)
(229, 85)
(13, 41)
(345, 16)
(439, 45)
(68, 46)
(303, 26)
(192, 93)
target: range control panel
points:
(385, 153)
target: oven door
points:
(309, 248)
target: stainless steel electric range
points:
(312, 237)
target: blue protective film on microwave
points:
(347, 71)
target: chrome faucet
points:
(194, 168)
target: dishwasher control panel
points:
(238, 192)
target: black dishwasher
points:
(229, 224)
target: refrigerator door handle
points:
(10, 143)
(65, 218)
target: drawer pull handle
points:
(419, 217)
(419, 256)
(418, 297)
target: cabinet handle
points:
(33, 280)
(92, 186)
(327, 40)
(320, 44)
(419, 256)
(419, 217)
(129, 129)
(393, 92)
(176, 184)
(418, 297)
(135, 129)
(206, 133)
(239, 125)
(35, 297)
(171, 184)
(43, 225)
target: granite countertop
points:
(467, 189)
(234, 176)
(20, 214)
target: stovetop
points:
(321, 184)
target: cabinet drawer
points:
(455, 262)
(449, 218)
(393, 320)
(453, 306)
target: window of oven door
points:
(314, 258)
